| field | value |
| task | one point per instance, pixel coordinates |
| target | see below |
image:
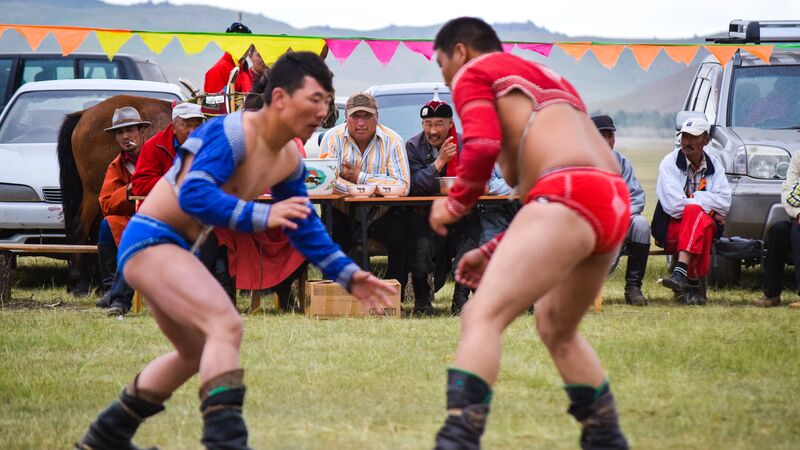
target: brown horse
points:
(84, 153)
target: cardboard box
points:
(327, 300)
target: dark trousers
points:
(391, 230)
(433, 253)
(783, 238)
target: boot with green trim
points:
(221, 400)
(468, 398)
(596, 410)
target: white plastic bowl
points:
(391, 190)
(361, 190)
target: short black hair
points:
(289, 73)
(470, 31)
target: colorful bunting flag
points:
(383, 50)
(644, 54)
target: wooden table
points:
(362, 205)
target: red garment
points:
(260, 260)
(217, 76)
(476, 88)
(114, 202)
(599, 197)
(155, 159)
(693, 232)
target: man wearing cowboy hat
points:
(127, 128)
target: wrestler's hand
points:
(471, 267)
(441, 216)
(282, 213)
(371, 291)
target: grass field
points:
(723, 376)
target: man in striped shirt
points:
(370, 153)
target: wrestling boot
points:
(423, 305)
(695, 293)
(634, 274)
(468, 398)
(107, 255)
(596, 411)
(114, 428)
(221, 401)
(460, 297)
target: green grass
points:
(723, 376)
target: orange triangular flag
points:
(681, 53)
(723, 53)
(69, 39)
(576, 50)
(762, 52)
(3, 29)
(645, 54)
(34, 35)
(608, 55)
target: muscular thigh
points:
(177, 285)
(542, 247)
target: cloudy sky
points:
(610, 18)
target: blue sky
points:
(609, 18)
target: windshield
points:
(36, 116)
(766, 97)
(400, 112)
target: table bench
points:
(9, 251)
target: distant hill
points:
(620, 89)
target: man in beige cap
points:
(127, 127)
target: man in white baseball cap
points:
(693, 199)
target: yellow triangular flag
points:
(193, 43)
(112, 41)
(156, 41)
(235, 44)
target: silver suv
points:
(754, 112)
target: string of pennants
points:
(272, 46)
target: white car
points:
(30, 196)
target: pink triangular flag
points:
(542, 49)
(424, 48)
(342, 48)
(383, 50)
(508, 47)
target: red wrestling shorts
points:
(599, 196)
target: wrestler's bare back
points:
(559, 136)
(261, 168)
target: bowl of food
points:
(361, 190)
(445, 183)
(391, 190)
(321, 175)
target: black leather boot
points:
(222, 274)
(121, 296)
(107, 256)
(637, 264)
(596, 411)
(222, 399)
(468, 398)
(423, 304)
(460, 298)
(114, 428)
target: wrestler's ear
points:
(279, 96)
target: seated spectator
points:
(637, 242)
(370, 153)
(217, 76)
(126, 126)
(784, 239)
(433, 153)
(694, 198)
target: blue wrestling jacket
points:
(218, 147)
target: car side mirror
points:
(683, 116)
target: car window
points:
(151, 71)
(5, 77)
(47, 69)
(35, 117)
(715, 83)
(702, 96)
(765, 97)
(690, 101)
(400, 112)
(99, 69)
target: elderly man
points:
(694, 198)
(217, 76)
(433, 153)
(370, 153)
(784, 240)
(127, 128)
(637, 242)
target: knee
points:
(474, 317)
(227, 327)
(640, 229)
(552, 333)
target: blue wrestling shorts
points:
(142, 232)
